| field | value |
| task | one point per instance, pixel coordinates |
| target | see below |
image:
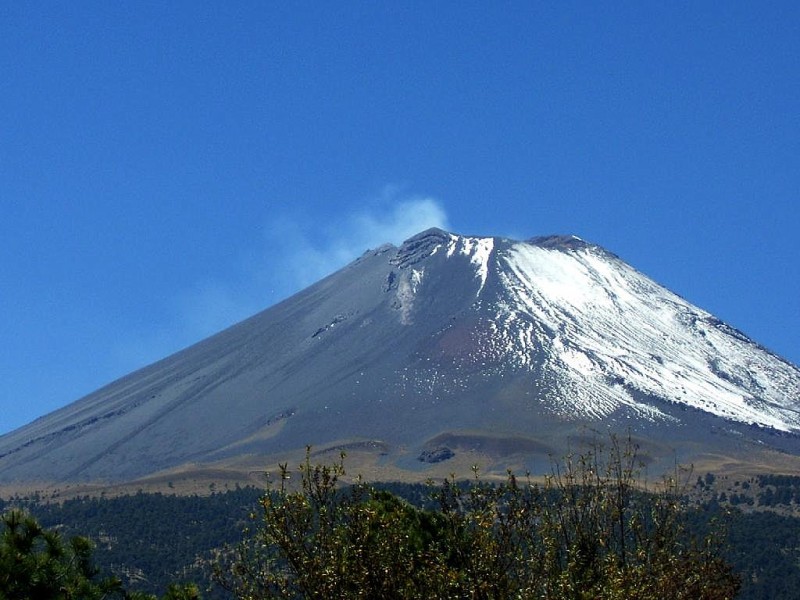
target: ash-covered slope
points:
(443, 344)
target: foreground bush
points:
(589, 531)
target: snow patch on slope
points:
(605, 322)
(429, 243)
(478, 250)
(406, 292)
(479, 257)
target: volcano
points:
(447, 348)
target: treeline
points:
(777, 490)
(763, 547)
(151, 541)
(780, 493)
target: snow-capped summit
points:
(608, 337)
(445, 346)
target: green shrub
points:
(588, 531)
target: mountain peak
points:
(435, 236)
(501, 347)
(435, 232)
(561, 242)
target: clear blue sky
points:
(168, 168)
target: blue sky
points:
(169, 168)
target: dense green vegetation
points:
(149, 541)
(37, 563)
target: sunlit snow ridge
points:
(610, 334)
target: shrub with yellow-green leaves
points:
(590, 530)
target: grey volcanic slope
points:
(445, 343)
